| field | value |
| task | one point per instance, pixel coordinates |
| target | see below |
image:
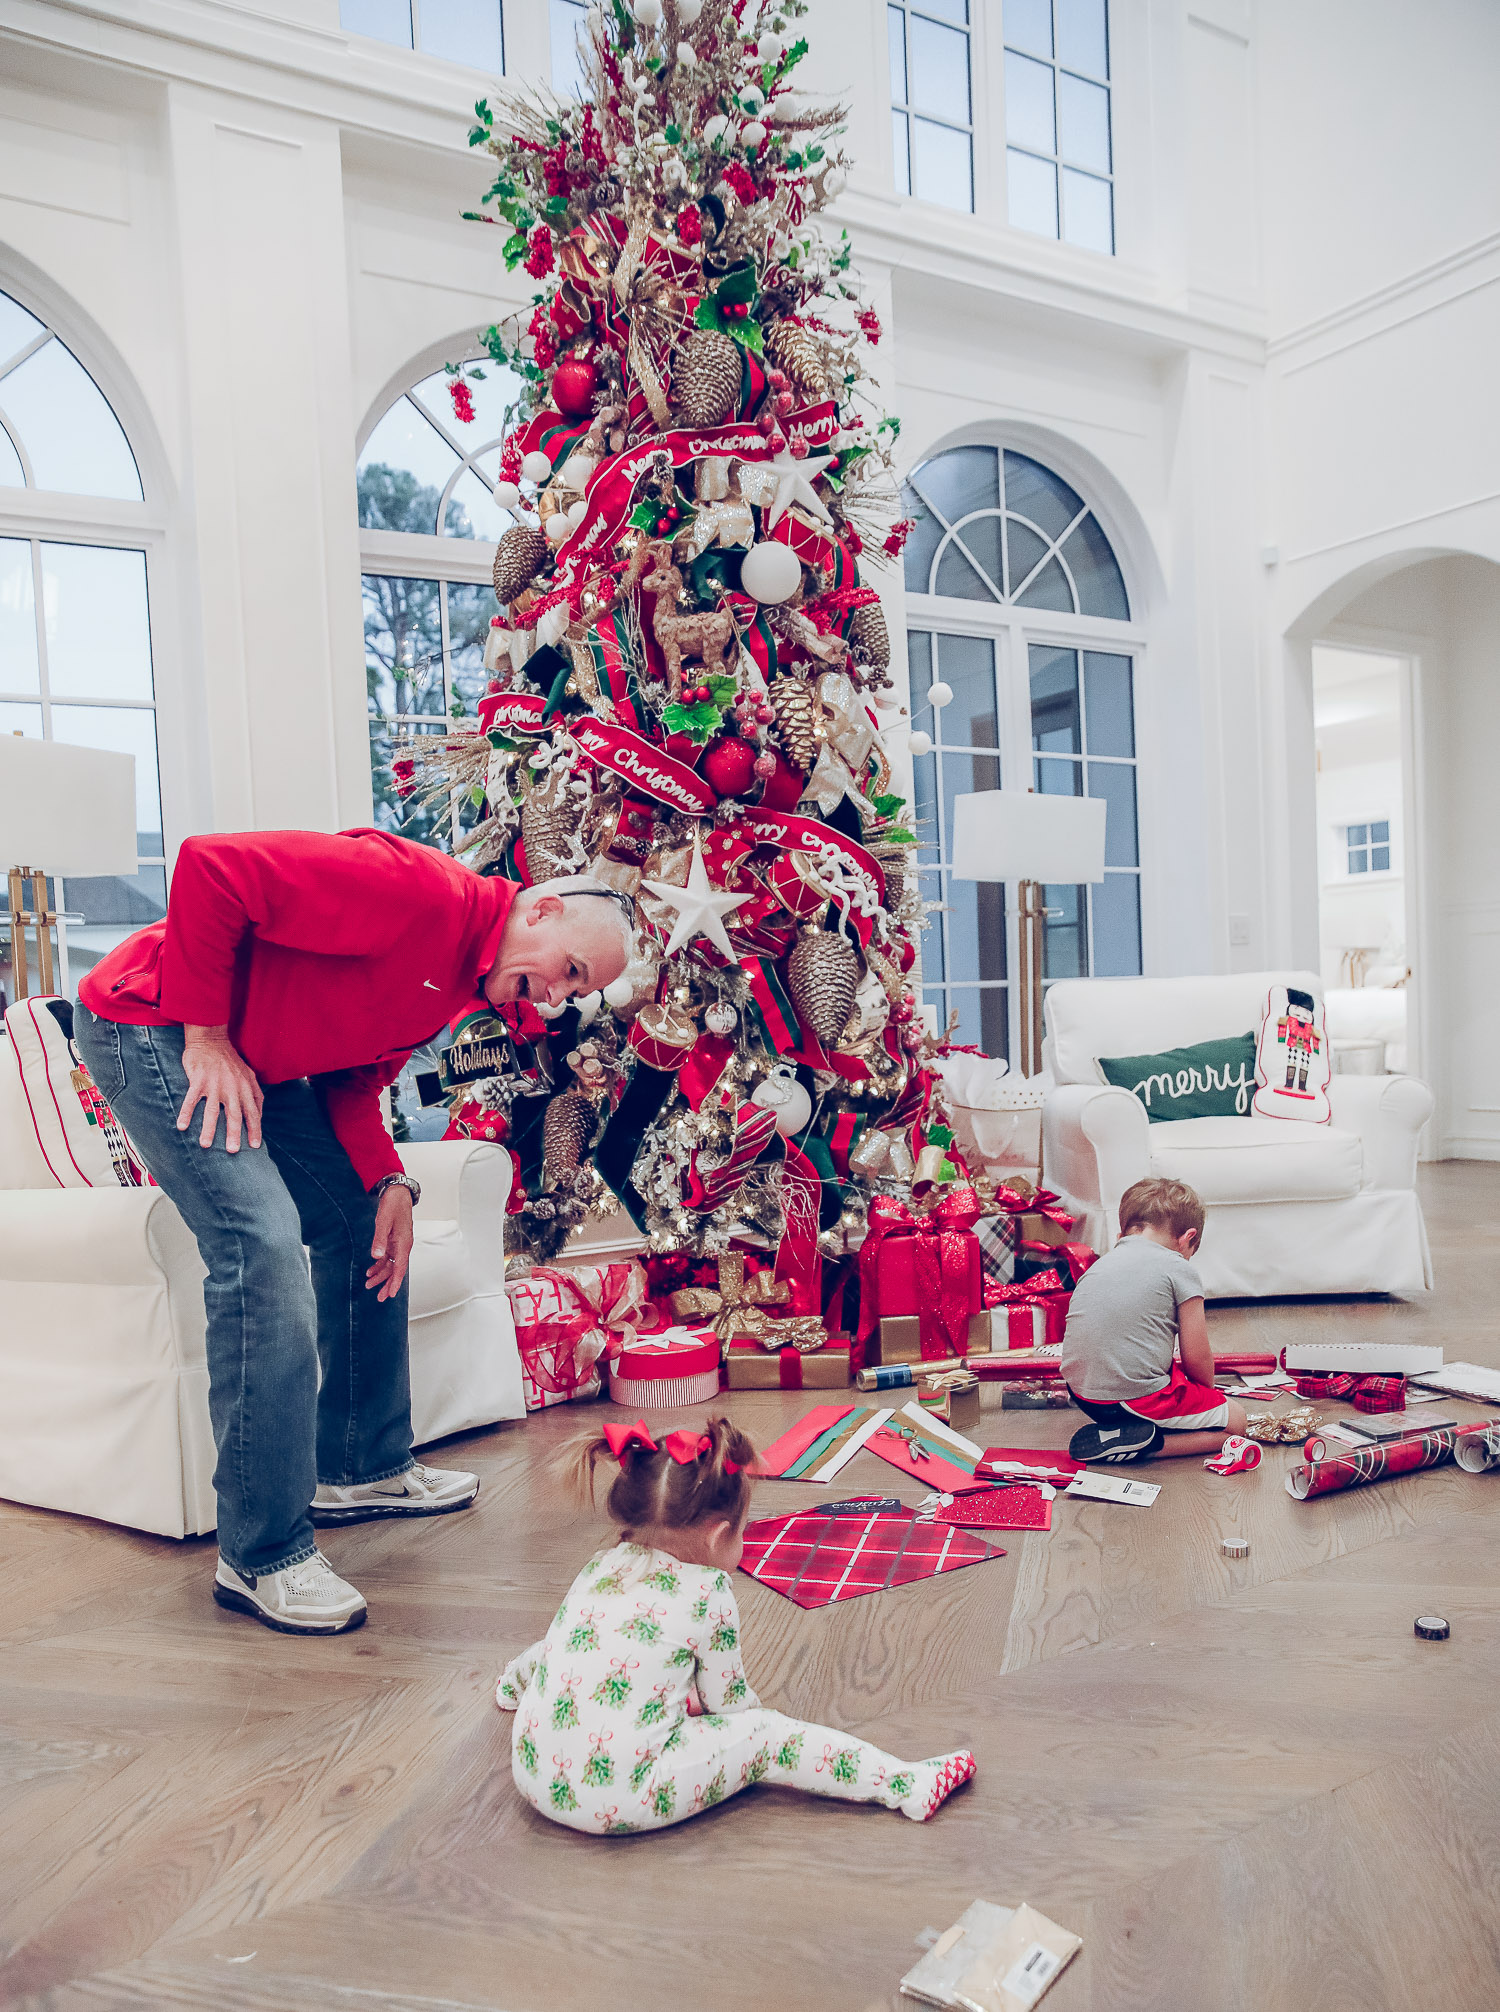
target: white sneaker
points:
(420, 1491)
(305, 1599)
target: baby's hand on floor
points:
(695, 1705)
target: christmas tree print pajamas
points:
(603, 1738)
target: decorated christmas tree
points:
(686, 665)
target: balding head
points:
(562, 937)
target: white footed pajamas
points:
(603, 1738)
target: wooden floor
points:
(1246, 1785)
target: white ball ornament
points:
(783, 1094)
(535, 467)
(577, 469)
(939, 695)
(752, 98)
(720, 1018)
(715, 128)
(753, 134)
(687, 55)
(835, 181)
(770, 48)
(647, 12)
(618, 994)
(919, 743)
(688, 12)
(507, 495)
(557, 527)
(577, 512)
(771, 572)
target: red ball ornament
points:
(765, 765)
(729, 767)
(573, 384)
(778, 440)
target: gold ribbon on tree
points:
(652, 305)
(737, 1309)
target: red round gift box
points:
(650, 1379)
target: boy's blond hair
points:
(1172, 1204)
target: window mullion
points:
(39, 599)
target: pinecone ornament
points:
(706, 377)
(519, 557)
(869, 638)
(551, 813)
(795, 351)
(895, 885)
(822, 975)
(796, 709)
(566, 1130)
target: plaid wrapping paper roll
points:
(1478, 1447)
(1360, 1464)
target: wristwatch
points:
(412, 1186)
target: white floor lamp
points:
(69, 810)
(1035, 841)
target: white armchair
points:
(103, 1379)
(1291, 1208)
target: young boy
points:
(1126, 1314)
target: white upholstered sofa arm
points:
(467, 1182)
(93, 1237)
(1388, 1112)
(1095, 1143)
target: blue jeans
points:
(279, 1426)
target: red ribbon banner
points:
(646, 768)
(809, 834)
(512, 712)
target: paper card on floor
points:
(829, 1453)
(1023, 1507)
(1342, 1433)
(1461, 1379)
(913, 1452)
(936, 1429)
(1115, 1488)
(932, 1979)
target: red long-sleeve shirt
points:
(330, 957)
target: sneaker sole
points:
(324, 1518)
(241, 1603)
(1113, 1455)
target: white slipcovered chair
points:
(1291, 1207)
(103, 1378)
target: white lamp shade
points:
(1012, 834)
(65, 809)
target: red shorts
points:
(1179, 1406)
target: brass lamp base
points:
(39, 917)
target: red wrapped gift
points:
(1036, 1309)
(680, 1365)
(566, 1320)
(928, 1265)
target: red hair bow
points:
(682, 1446)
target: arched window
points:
(75, 625)
(1017, 602)
(429, 524)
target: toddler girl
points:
(634, 1711)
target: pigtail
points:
(575, 1464)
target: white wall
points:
(1280, 390)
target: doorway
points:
(1366, 864)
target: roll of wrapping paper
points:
(1356, 1465)
(1478, 1447)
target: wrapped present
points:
(1040, 1217)
(953, 1396)
(680, 1365)
(1035, 1310)
(901, 1336)
(567, 1320)
(750, 1365)
(999, 1241)
(738, 1308)
(928, 1265)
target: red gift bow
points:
(684, 1447)
(942, 1267)
(1042, 1203)
(610, 1299)
(1044, 1289)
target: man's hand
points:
(391, 1249)
(220, 1079)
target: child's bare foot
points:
(935, 1781)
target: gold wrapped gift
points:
(737, 1309)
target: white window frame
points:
(415, 45)
(1056, 158)
(1371, 871)
(57, 517)
(905, 110)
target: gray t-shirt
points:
(1122, 1321)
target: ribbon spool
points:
(1430, 1628)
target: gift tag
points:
(1115, 1488)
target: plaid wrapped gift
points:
(1380, 1393)
(999, 1240)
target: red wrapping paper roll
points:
(1360, 1464)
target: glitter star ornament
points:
(700, 906)
(775, 485)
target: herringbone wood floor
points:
(1245, 1785)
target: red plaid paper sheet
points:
(816, 1559)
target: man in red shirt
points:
(291, 978)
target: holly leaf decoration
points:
(699, 722)
(514, 249)
(723, 689)
(737, 286)
(940, 1135)
(890, 805)
(644, 517)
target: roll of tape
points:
(1236, 1547)
(1430, 1628)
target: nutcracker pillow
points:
(79, 1135)
(1292, 1061)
